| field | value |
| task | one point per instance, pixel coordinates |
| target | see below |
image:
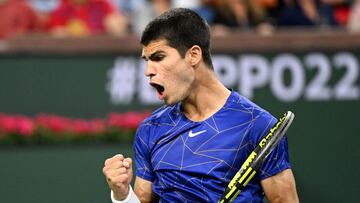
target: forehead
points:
(154, 46)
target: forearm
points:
(281, 188)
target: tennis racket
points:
(257, 157)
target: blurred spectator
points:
(17, 18)
(326, 11)
(297, 13)
(312, 12)
(43, 8)
(86, 18)
(260, 11)
(354, 18)
(240, 11)
(223, 15)
(340, 9)
(261, 15)
(186, 3)
(128, 6)
(149, 10)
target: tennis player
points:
(189, 149)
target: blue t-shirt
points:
(191, 161)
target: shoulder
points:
(260, 118)
(241, 103)
(163, 116)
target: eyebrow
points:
(153, 54)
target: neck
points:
(208, 95)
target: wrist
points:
(121, 196)
(130, 198)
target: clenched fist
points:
(118, 173)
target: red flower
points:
(7, 123)
(53, 123)
(97, 126)
(21, 125)
(80, 126)
(129, 120)
(25, 126)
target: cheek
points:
(187, 75)
(182, 82)
(179, 77)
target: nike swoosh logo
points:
(191, 134)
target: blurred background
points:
(72, 90)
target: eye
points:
(158, 58)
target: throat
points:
(203, 110)
(205, 99)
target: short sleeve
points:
(278, 159)
(142, 151)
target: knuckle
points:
(108, 161)
(119, 156)
(104, 170)
(128, 160)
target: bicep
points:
(143, 190)
(280, 187)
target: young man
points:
(188, 150)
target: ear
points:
(195, 55)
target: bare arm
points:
(310, 10)
(280, 188)
(143, 190)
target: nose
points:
(150, 70)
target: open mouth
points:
(159, 88)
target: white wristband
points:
(131, 198)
